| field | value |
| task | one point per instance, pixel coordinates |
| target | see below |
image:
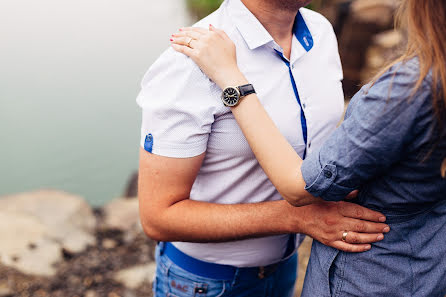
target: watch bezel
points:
(224, 99)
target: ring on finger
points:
(188, 44)
(344, 236)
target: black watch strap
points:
(246, 90)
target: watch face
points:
(230, 96)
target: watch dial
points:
(231, 96)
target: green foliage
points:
(201, 8)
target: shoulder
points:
(317, 23)
(401, 80)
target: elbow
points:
(293, 189)
(294, 200)
(152, 232)
(291, 192)
(296, 195)
(151, 225)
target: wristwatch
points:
(231, 95)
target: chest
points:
(278, 87)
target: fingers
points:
(219, 32)
(352, 195)
(183, 49)
(351, 248)
(362, 238)
(361, 226)
(358, 212)
(194, 29)
(184, 41)
(188, 34)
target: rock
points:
(109, 243)
(5, 291)
(131, 190)
(25, 244)
(385, 47)
(361, 22)
(135, 276)
(378, 12)
(122, 214)
(91, 293)
(69, 219)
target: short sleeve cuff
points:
(174, 150)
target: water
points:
(69, 74)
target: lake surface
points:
(69, 74)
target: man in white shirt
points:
(223, 226)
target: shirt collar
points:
(255, 35)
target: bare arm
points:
(168, 214)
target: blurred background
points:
(70, 72)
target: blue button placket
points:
(303, 119)
(305, 38)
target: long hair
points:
(425, 22)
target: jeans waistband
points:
(220, 271)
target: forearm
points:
(277, 157)
(195, 221)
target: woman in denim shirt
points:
(391, 146)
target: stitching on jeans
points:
(223, 290)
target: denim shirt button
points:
(328, 174)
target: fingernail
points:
(380, 237)
(387, 229)
(368, 247)
(171, 39)
(180, 29)
(382, 219)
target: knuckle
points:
(360, 227)
(354, 239)
(329, 220)
(341, 204)
(359, 212)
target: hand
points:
(327, 221)
(213, 51)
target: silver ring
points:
(344, 236)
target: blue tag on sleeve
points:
(148, 143)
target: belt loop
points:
(236, 277)
(161, 246)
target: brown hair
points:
(425, 22)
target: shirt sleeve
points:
(178, 106)
(378, 127)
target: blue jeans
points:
(173, 281)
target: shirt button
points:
(304, 105)
(328, 174)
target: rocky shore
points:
(54, 244)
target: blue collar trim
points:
(302, 32)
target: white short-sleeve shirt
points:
(184, 115)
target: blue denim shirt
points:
(382, 149)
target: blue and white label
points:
(148, 143)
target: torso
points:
(230, 173)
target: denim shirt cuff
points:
(317, 177)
